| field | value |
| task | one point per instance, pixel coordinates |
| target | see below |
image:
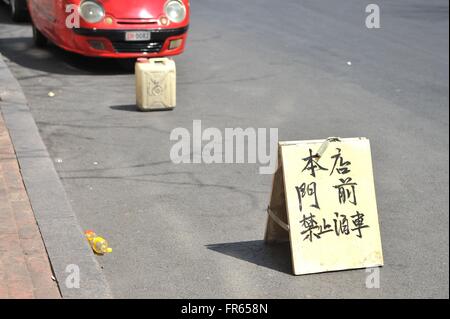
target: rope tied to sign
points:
(276, 219)
(325, 145)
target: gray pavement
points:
(58, 224)
(196, 230)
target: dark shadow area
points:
(134, 108)
(274, 256)
(5, 16)
(127, 108)
(51, 59)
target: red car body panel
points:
(50, 18)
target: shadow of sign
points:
(274, 256)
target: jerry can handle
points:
(158, 60)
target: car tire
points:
(19, 12)
(38, 38)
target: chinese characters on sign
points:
(313, 226)
(323, 201)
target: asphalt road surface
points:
(196, 230)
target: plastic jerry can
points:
(155, 84)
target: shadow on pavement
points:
(273, 256)
(128, 108)
(52, 59)
(134, 108)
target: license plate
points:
(137, 36)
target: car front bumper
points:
(112, 43)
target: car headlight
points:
(91, 11)
(175, 11)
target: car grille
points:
(137, 47)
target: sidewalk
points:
(25, 270)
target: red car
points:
(112, 28)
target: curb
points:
(62, 235)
